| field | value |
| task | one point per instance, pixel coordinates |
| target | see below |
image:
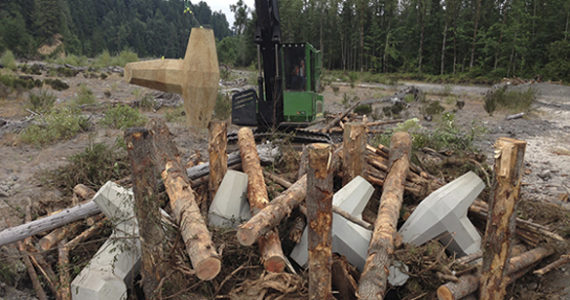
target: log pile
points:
(180, 249)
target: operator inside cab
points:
(296, 78)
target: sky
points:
(224, 6)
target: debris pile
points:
(353, 221)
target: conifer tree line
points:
(490, 38)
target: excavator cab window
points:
(295, 67)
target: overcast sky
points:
(224, 6)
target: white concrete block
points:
(444, 213)
(348, 238)
(230, 206)
(115, 264)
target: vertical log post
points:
(140, 149)
(269, 244)
(319, 219)
(64, 289)
(373, 279)
(354, 147)
(218, 141)
(509, 156)
(197, 238)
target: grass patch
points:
(223, 107)
(446, 136)
(41, 102)
(123, 117)
(176, 114)
(105, 59)
(97, 164)
(8, 60)
(363, 109)
(59, 124)
(57, 84)
(519, 101)
(84, 96)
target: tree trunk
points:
(475, 27)
(442, 68)
(319, 218)
(354, 151)
(140, 150)
(270, 216)
(197, 238)
(269, 244)
(500, 227)
(422, 27)
(468, 284)
(217, 155)
(373, 279)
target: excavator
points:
(287, 97)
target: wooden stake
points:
(197, 238)
(64, 289)
(269, 244)
(145, 189)
(468, 284)
(270, 216)
(500, 229)
(354, 147)
(564, 259)
(319, 219)
(217, 145)
(373, 279)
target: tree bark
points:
(442, 67)
(373, 279)
(64, 289)
(422, 9)
(270, 216)
(500, 227)
(269, 244)
(475, 27)
(319, 219)
(197, 238)
(217, 155)
(468, 284)
(147, 209)
(354, 147)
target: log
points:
(375, 273)
(468, 284)
(277, 179)
(197, 238)
(343, 277)
(332, 123)
(351, 218)
(269, 244)
(147, 209)
(564, 259)
(218, 141)
(354, 155)
(500, 228)
(379, 123)
(319, 218)
(270, 216)
(40, 293)
(44, 268)
(64, 289)
(59, 219)
(84, 191)
(84, 235)
(303, 162)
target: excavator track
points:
(298, 136)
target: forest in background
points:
(471, 38)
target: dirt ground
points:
(546, 129)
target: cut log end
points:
(246, 236)
(208, 268)
(443, 293)
(274, 264)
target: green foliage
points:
(59, 124)
(512, 100)
(559, 65)
(106, 60)
(56, 84)
(8, 60)
(41, 102)
(446, 136)
(123, 117)
(74, 60)
(97, 164)
(223, 108)
(433, 108)
(84, 96)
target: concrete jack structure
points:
(443, 214)
(348, 239)
(230, 206)
(117, 262)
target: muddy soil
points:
(546, 129)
